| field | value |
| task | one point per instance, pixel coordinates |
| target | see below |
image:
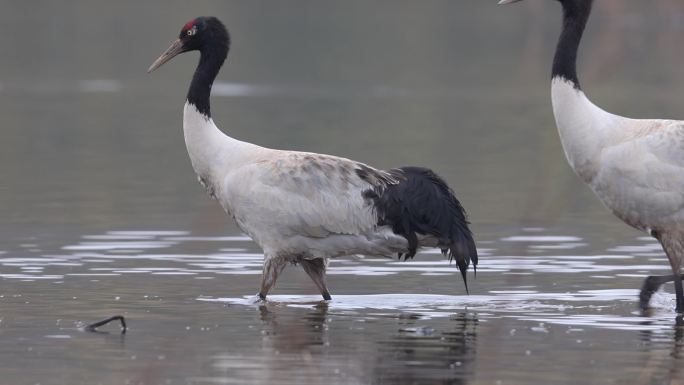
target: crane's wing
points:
(302, 194)
(307, 194)
(644, 174)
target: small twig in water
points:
(93, 327)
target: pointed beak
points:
(173, 50)
(504, 2)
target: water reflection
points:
(664, 353)
(291, 350)
(304, 346)
(292, 335)
(419, 354)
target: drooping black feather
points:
(420, 202)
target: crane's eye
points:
(192, 31)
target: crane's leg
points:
(272, 269)
(679, 290)
(673, 249)
(650, 286)
(315, 268)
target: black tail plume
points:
(422, 203)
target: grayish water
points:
(100, 213)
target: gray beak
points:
(175, 49)
(503, 2)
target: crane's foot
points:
(326, 296)
(653, 283)
(679, 290)
(680, 306)
(650, 286)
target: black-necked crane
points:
(635, 166)
(305, 208)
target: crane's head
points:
(199, 34)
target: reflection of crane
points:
(636, 167)
(304, 208)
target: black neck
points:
(575, 16)
(211, 60)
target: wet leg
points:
(651, 285)
(272, 269)
(679, 291)
(315, 268)
(674, 249)
(673, 252)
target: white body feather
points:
(293, 204)
(635, 166)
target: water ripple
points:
(529, 305)
(524, 294)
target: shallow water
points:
(100, 213)
(531, 317)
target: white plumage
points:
(635, 166)
(299, 202)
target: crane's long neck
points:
(200, 88)
(210, 150)
(584, 128)
(575, 17)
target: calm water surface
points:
(100, 213)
